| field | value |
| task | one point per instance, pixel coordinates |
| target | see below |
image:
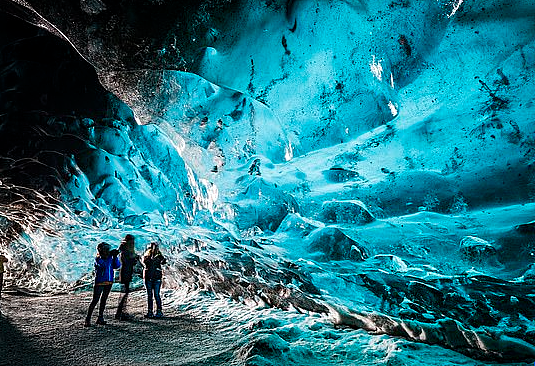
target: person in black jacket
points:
(3, 260)
(153, 260)
(128, 258)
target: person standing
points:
(105, 262)
(3, 260)
(128, 259)
(153, 260)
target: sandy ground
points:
(49, 331)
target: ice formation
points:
(352, 180)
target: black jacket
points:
(128, 261)
(153, 267)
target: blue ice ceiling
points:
(371, 162)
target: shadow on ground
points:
(17, 348)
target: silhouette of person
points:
(3, 260)
(128, 259)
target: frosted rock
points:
(113, 140)
(332, 244)
(476, 249)
(410, 192)
(389, 262)
(347, 211)
(527, 228)
(529, 275)
(338, 174)
(424, 293)
(266, 345)
(136, 220)
(87, 122)
(262, 204)
(298, 225)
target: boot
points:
(149, 314)
(87, 322)
(100, 320)
(159, 313)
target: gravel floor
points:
(48, 331)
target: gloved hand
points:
(114, 252)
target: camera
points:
(114, 252)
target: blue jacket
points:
(104, 269)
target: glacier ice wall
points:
(368, 161)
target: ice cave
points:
(333, 182)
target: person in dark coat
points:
(128, 259)
(153, 260)
(105, 262)
(3, 260)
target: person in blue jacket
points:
(105, 262)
